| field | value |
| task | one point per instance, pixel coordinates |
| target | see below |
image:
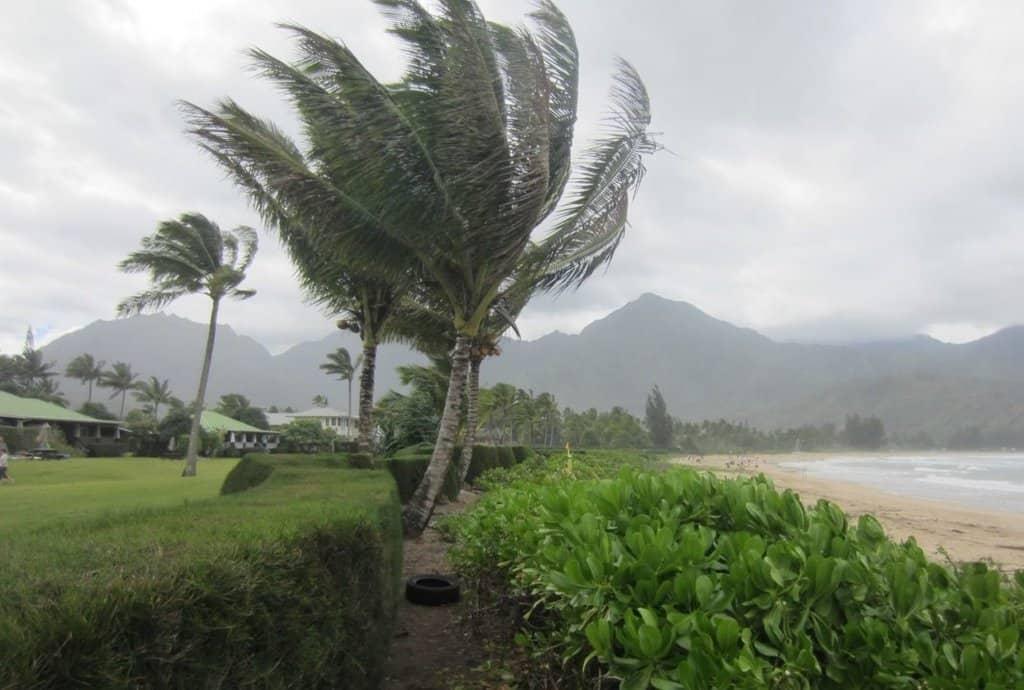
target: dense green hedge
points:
(409, 464)
(291, 584)
(684, 580)
(408, 471)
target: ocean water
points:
(991, 481)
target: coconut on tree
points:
(446, 174)
(86, 369)
(187, 256)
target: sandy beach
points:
(965, 534)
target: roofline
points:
(54, 420)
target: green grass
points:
(142, 577)
(48, 492)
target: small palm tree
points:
(85, 369)
(320, 400)
(120, 379)
(154, 393)
(339, 363)
(188, 256)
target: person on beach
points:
(4, 457)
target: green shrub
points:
(506, 457)
(418, 450)
(484, 458)
(251, 471)
(685, 580)
(293, 583)
(521, 453)
(105, 448)
(408, 471)
(360, 461)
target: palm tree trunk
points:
(90, 390)
(124, 394)
(348, 420)
(366, 396)
(418, 510)
(197, 412)
(472, 398)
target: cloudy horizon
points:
(834, 172)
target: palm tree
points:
(33, 370)
(187, 256)
(154, 393)
(339, 363)
(85, 369)
(120, 379)
(320, 400)
(446, 174)
(46, 389)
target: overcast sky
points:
(836, 170)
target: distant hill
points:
(706, 368)
(171, 347)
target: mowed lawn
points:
(51, 491)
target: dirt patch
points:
(446, 647)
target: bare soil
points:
(450, 647)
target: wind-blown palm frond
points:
(593, 222)
(190, 255)
(438, 180)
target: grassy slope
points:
(45, 493)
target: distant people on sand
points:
(4, 457)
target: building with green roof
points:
(26, 414)
(238, 435)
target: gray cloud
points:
(843, 170)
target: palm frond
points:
(593, 222)
(154, 298)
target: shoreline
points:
(966, 534)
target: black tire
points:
(432, 590)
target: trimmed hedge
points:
(291, 584)
(105, 448)
(483, 459)
(506, 458)
(408, 471)
(409, 464)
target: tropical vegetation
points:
(340, 363)
(153, 393)
(192, 255)
(120, 379)
(681, 580)
(287, 579)
(86, 369)
(444, 175)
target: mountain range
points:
(705, 367)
